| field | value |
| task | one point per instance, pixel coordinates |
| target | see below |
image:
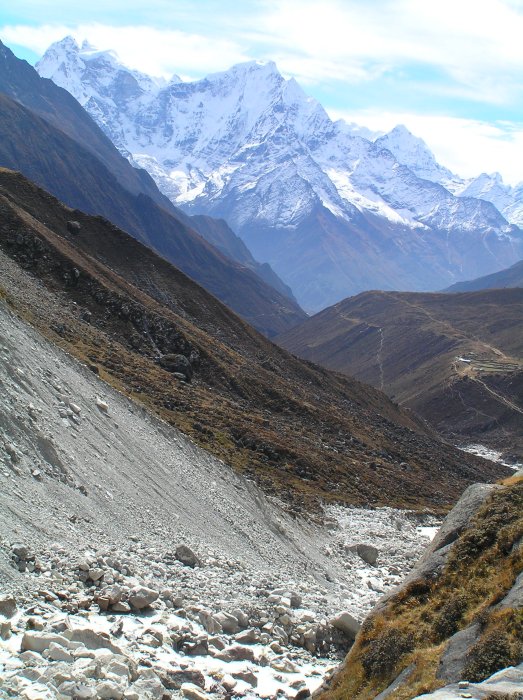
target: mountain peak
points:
(90, 73)
(404, 138)
(66, 46)
(400, 130)
(413, 152)
(87, 46)
(257, 65)
(68, 42)
(496, 178)
(249, 146)
(68, 49)
(247, 70)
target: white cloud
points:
(467, 147)
(153, 51)
(476, 44)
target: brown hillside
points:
(410, 643)
(456, 359)
(304, 433)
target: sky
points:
(450, 70)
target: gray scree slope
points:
(81, 464)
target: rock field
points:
(135, 565)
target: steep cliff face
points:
(457, 619)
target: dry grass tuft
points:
(413, 630)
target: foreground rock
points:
(347, 624)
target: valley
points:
(120, 494)
(207, 493)
(298, 429)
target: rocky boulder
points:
(177, 364)
(367, 552)
(74, 227)
(141, 597)
(186, 556)
(347, 624)
(7, 606)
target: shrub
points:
(382, 654)
(490, 654)
(449, 617)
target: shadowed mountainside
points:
(22, 83)
(302, 432)
(456, 359)
(223, 238)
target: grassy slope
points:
(416, 624)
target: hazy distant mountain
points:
(331, 211)
(415, 154)
(511, 277)
(509, 200)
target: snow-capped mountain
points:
(413, 152)
(509, 200)
(331, 211)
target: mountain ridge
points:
(511, 277)
(414, 153)
(249, 146)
